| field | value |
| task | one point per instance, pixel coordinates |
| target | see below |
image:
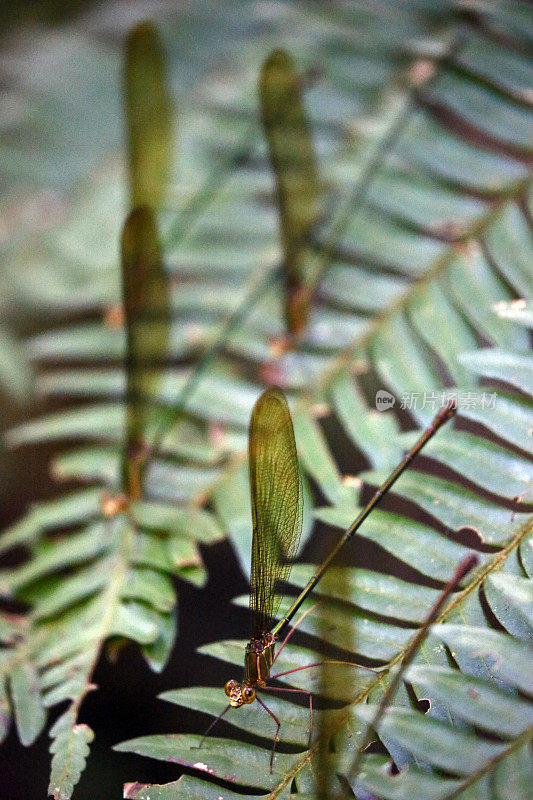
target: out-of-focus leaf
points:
(70, 749)
(512, 368)
(27, 702)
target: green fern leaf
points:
(427, 224)
(70, 749)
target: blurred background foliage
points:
(416, 119)
(32, 11)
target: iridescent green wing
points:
(277, 504)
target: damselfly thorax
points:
(258, 660)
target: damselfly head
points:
(239, 693)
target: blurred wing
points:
(147, 318)
(277, 504)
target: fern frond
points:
(427, 231)
(421, 328)
(476, 678)
(70, 749)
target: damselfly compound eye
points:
(248, 694)
(229, 687)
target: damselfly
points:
(277, 506)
